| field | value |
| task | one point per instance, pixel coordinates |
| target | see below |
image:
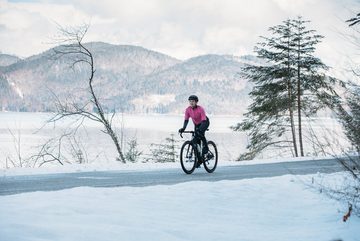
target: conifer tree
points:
(133, 154)
(165, 152)
(289, 82)
(349, 111)
(273, 96)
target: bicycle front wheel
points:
(211, 158)
(188, 157)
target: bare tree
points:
(345, 188)
(18, 160)
(61, 149)
(51, 151)
(73, 49)
(17, 146)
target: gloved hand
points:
(181, 130)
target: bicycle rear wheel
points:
(211, 158)
(188, 157)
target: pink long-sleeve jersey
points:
(197, 114)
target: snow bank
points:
(278, 208)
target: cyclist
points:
(200, 120)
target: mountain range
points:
(127, 79)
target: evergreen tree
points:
(165, 152)
(349, 112)
(350, 117)
(273, 96)
(133, 153)
(289, 83)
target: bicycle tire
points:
(188, 157)
(210, 165)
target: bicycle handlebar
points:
(192, 132)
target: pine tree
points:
(165, 152)
(291, 82)
(350, 117)
(349, 112)
(133, 154)
(273, 95)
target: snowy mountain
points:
(6, 59)
(213, 77)
(127, 78)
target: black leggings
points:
(200, 133)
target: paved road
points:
(51, 182)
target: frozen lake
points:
(24, 128)
(20, 133)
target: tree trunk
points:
(291, 112)
(104, 120)
(299, 106)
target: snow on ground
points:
(277, 208)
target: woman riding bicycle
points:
(200, 120)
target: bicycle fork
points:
(189, 153)
(197, 151)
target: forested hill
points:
(127, 78)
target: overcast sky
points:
(179, 28)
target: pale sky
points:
(179, 28)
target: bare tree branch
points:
(74, 50)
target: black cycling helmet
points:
(193, 97)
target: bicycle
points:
(191, 155)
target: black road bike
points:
(191, 155)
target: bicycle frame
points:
(199, 146)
